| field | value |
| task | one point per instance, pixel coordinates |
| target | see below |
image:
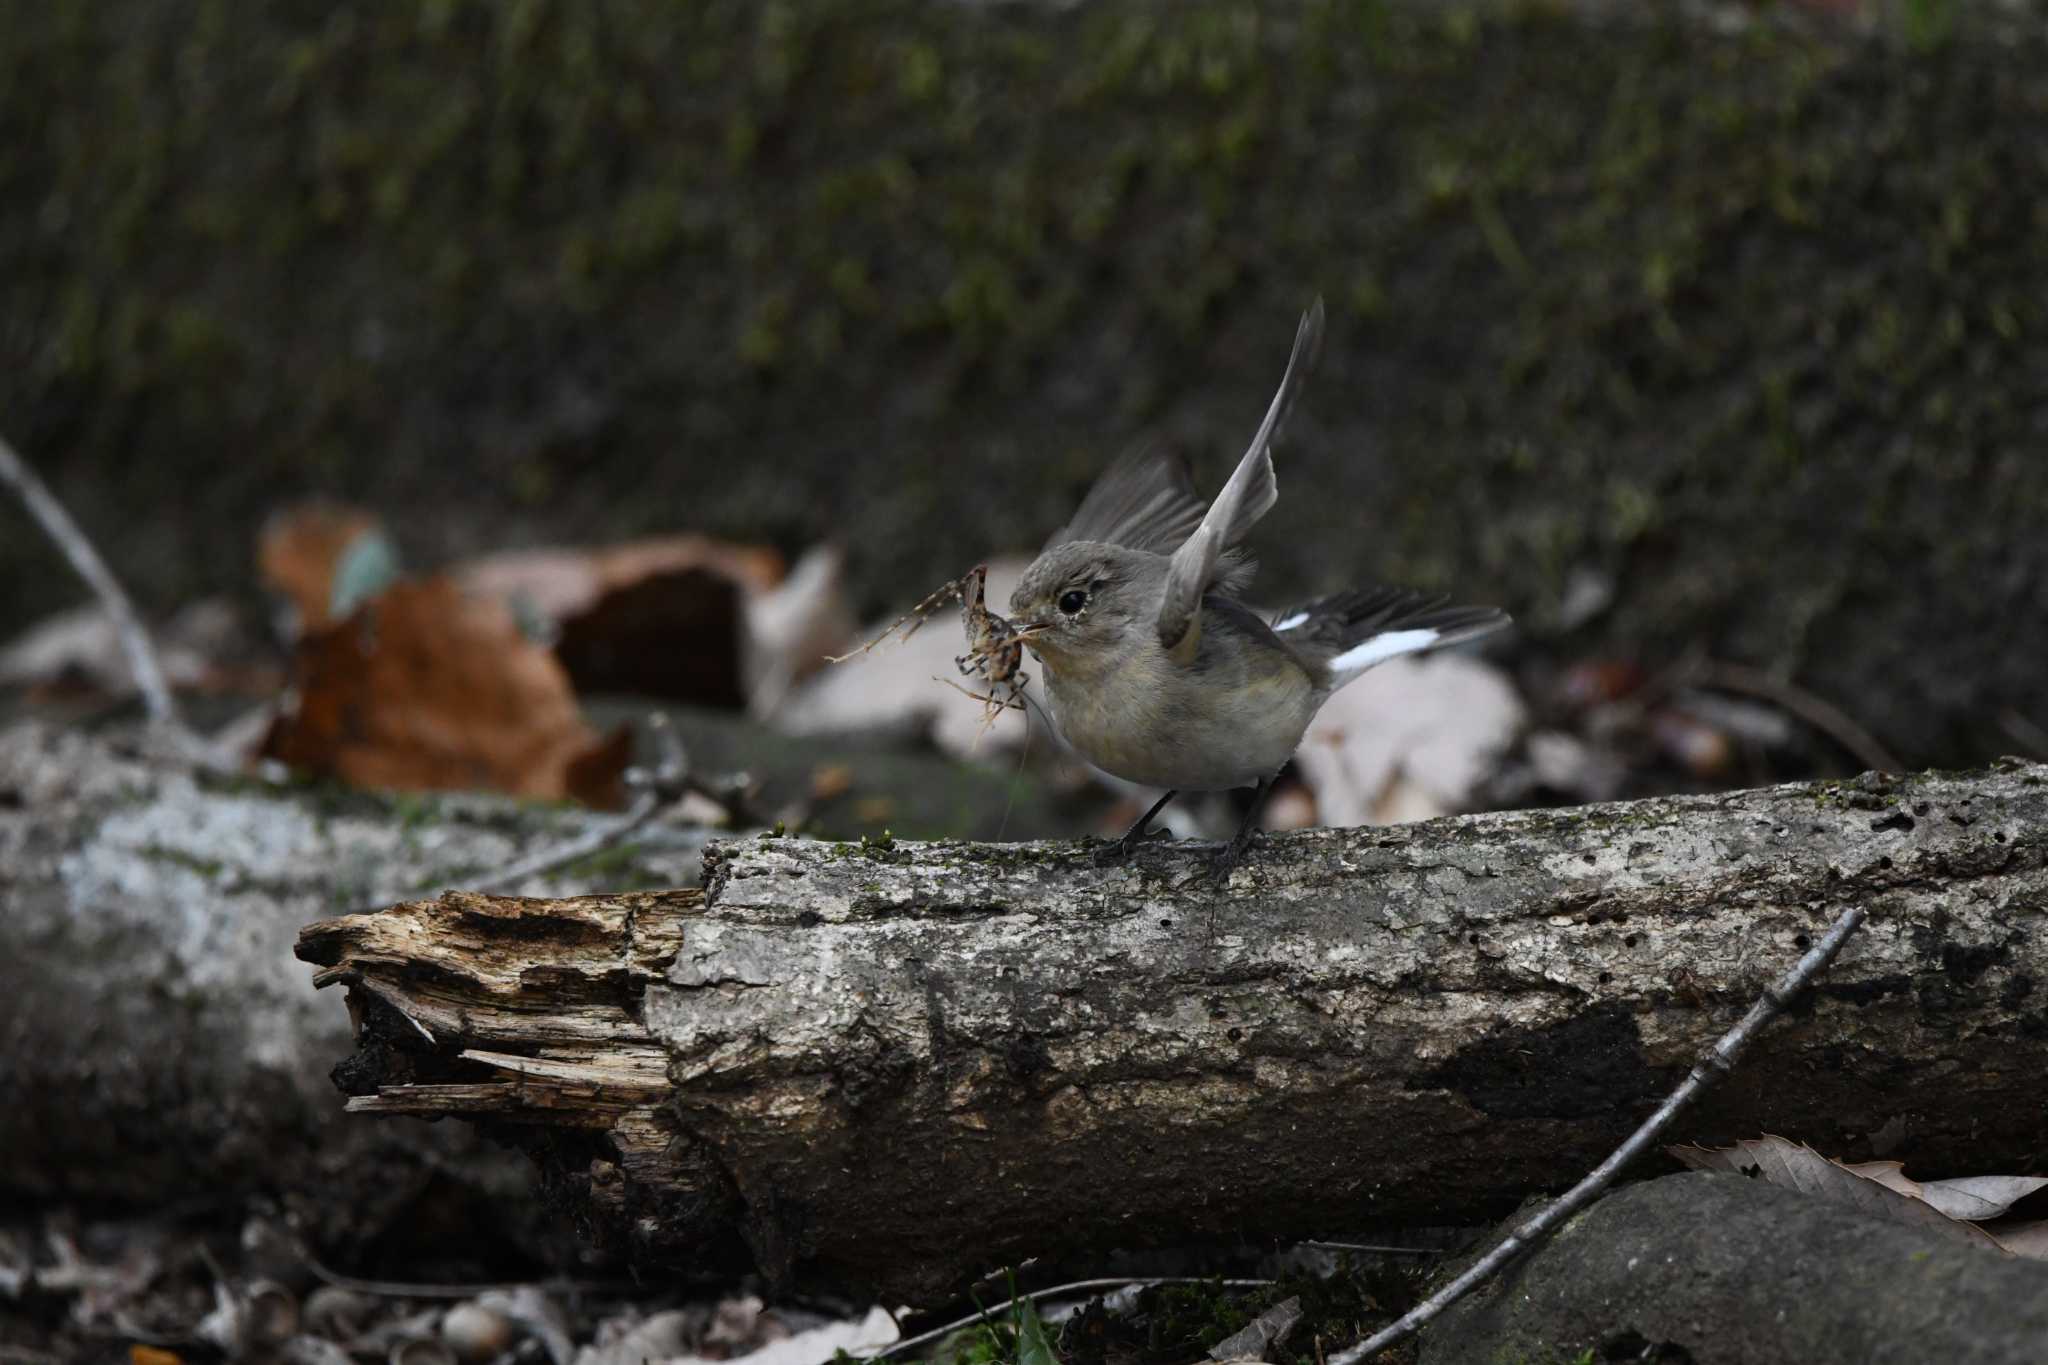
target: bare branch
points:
(1822, 715)
(655, 792)
(1053, 1292)
(58, 525)
(1718, 1061)
(644, 807)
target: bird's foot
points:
(1227, 858)
(1119, 853)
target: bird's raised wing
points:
(1249, 495)
(1144, 501)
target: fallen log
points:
(156, 1033)
(899, 1065)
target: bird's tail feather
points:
(1343, 635)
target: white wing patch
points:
(1380, 648)
(1291, 622)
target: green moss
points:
(209, 868)
(1643, 293)
(617, 868)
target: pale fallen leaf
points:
(1796, 1166)
(814, 1346)
(535, 1310)
(1291, 806)
(80, 648)
(562, 583)
(663, 617)
(1269, 1328)
(1889, 1174)
(1978, 1197)
(1404, 801)
(794, 625)
(1565, 763)
(2022, 1237)
(1435, 724)
(661, 1336)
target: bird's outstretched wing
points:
(1144, 501)
(1249, 495)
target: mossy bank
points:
(1748, 320)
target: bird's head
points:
(1083, 603)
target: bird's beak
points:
(1027, 631)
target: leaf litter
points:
(1962, 1209)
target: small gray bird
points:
(1156, 672)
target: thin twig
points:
(58, 525)
(413, 1289)
(1718, 1061)
(660, 788)
(2025, 731)
(644, 808)
(1036, 1295)
(655, 792)
(1375, 1248)
(1823, 716)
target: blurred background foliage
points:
(1739, 312)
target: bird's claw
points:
(1118, 853)
(1226, 861)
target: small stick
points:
(1718, 1061)
(664, 786)
(657, 791)
(1823, 716)
(1375, 1248)
(408, 1289)
(85, 560)
(643, 808)
(2025, 731)
(938, 1333)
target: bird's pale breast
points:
(1231, 719)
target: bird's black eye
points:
(1072, 600)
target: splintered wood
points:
(995, 647)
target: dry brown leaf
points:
(300, 550)
(1796, 1166)
(429, 688)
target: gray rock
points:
(1718, 1270)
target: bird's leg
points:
(1227, 860)
(1135, 835)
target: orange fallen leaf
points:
(426, 687)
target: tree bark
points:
(157, 1038)
(900, 1065)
